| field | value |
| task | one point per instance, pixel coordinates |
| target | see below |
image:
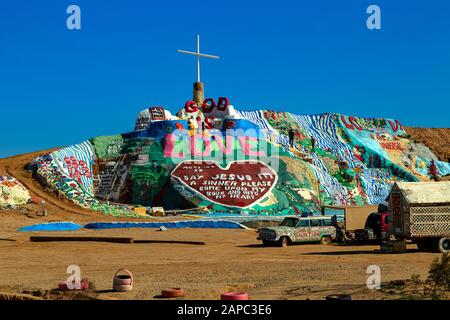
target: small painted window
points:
(315, 223)
(289, 222)
(303, 223)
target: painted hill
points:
(225, 160)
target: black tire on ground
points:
(444, 245)
(435, 245)
(326, 240)
(283, 242)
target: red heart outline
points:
(242, 168)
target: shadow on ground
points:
(343, 253)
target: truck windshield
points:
(304, 223)
(289, 222)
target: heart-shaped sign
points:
(241, 184)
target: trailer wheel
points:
(444, 245)
(326, 240)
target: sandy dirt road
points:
(230, 260)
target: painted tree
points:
(432, 171)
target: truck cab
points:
(377, 226)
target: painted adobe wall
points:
(12, 192)
(335, 160)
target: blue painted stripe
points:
(170, 225)
(258, 118)
(323, 129)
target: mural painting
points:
(12, 192)
(225, 160)
(240, 184)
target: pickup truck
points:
(297, 230)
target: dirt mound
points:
(437, 139)
(58, 208)
(15, 167)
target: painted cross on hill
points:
(198, 54)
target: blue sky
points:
(59, 87)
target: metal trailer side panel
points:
(429, 221)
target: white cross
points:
(198, 54)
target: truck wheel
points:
(283, 242)
(444, 245)
(326, 240)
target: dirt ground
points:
(231, 260)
